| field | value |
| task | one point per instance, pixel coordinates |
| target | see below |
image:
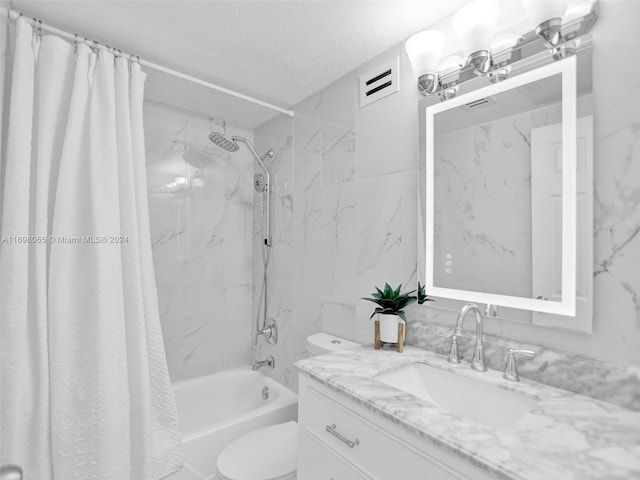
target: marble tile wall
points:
(344, 214)
(200, 211)
(350, 222)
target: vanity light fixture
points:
(502, 46)
(546, 18)
(474, 25)
(450, 64)
(448, 94)
(424, 50)
(449, 67)
(558, 26)
(499, 74)
(564, 50)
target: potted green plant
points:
(422, 295)
(391, 303)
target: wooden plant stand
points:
(399, 345)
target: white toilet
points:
(270, 453)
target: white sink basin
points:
(490, 405)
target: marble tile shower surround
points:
(200, 212)
(345, 226)
(606, 381)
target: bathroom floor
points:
(187, 474)
(198, 465)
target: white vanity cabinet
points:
(340, 439)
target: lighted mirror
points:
(508, 198)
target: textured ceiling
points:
(277, 51)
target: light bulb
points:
(474, 25)
(546, 18)
(424, 50)
(540, 11)
(577, 9)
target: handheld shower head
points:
(259, 183)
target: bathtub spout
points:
(269, 362)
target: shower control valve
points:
(270, 331)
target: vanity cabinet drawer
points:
(318, 462)
(366, 445)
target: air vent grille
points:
(481, 102)
(380, 82)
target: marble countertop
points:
(565, 436)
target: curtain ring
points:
(92, 44)
(36, 29)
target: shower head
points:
(231, 145)
(260, 182)
(224, 142)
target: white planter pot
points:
(389, 327)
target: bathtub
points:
(216, 409)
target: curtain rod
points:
(13, 15)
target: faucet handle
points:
(454, 354)
(511, 366)
(490, 310)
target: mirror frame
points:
(567, 306)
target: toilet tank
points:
(320, 343)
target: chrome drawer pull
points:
(332, 430)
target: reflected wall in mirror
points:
(500, 213)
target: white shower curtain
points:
(84, 382)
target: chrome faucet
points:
(269, 362)
(477, 362)
(511, 366)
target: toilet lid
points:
(268, 453)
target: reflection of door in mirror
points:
(546, 218)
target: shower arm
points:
(267, 239)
